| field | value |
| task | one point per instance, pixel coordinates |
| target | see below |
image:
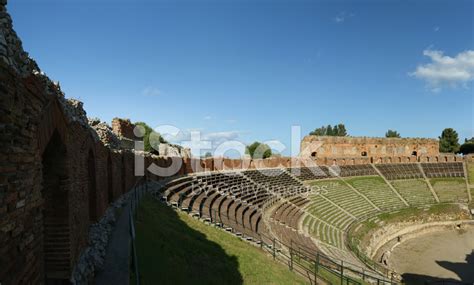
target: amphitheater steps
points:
(415, 191)
(377, 190)
(428, 183)
(450, 189)
(390, 185)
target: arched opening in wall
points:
(110, 187)
(389, 160)
(399, 159)
(414, 153)
(353, 162)
(427, 159)
(56, 236)
(371, 160)
(446, 159)
(124, 175)
(436, 159)
(92, 187)
(314, 154)
(364, 153)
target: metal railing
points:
(139, 190)
(311, 263)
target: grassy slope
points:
(174, 248)
(470, 172)
(363, 232)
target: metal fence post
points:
(317, 262)
(291, 257)
(273, 247)
(315, 272)
(342, 272)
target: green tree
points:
(467, 147)
(341, 130)
(449, 141)
(151, 139)
(392, 134)
(329, 131)
(208, 154)
(336, 130)
(258, 150)
(319, 132)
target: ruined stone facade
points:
(329, 147)
(123, 128)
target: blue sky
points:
(249, 70)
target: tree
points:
(319, 132)
(336, 130)
(392, 134)
(341, 130)
(449, 141)
(258, 150)
(467, 147)
(208, 154)
(151, 139)
(329, 131)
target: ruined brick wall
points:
(321, 147)
(123, 128)
(54, 169)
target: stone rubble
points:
(92, 258)
(105, 133)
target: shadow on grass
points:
(464, 271)
(170, 252)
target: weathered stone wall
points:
(123, 128)
(319, 147)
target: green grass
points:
(174, 248)
(363, 232)
(470, 172)
(459, 180)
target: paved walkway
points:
(117, 260)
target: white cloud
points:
(201, 141)
(445, 70)
(342, 16)
(435, 29)
(151, 91)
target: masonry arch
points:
(124, 174)
(110, 187)
(56, 235)
(92, 186)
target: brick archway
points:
(56, 235)
(92, 186)
(110, 187)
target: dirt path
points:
(445, 255)
(116, 267)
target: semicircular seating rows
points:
(276, 202)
